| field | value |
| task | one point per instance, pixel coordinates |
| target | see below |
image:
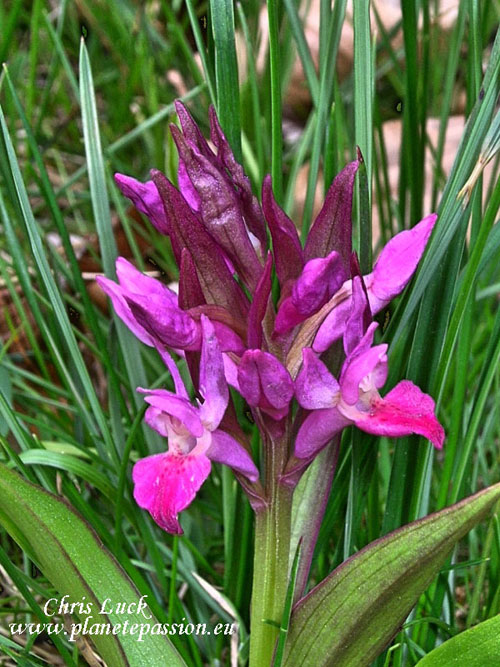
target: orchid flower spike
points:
(235, 324)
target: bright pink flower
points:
(165, 484)
(355, 398)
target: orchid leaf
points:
(351, 615)
(72, 557)
(475, 647)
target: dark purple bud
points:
(332, 229)
(220, 210)
(191, 131)
(265, 383)
(288, 254)
(259, 306)
(249, 204)
(217, 282)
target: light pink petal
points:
(405, 410)
(165, 484)
(225, 449)
(175, 406)
(122, 309)
(315, 386)
(213, 385)
(134, 281)
(357, 367)
(231, 371)
(146, 199)
(366, 341)
(159, 421)
(398, 261)
(317, 430)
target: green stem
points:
(271, 561)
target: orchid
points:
(166, 483)
(272, 350)
(218, 235)
(355, 398)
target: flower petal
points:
(169, 325)
(175, 406)
(165, 484)
(332, 229)
(315, 386)
(405, 410)
(288, 253)
(231, 371)
(122, 309)
(213, 385)
(320, 279)
(317, 430)
(333, 326)
(146, 199)
(265, 383)
(227, 450)
(134, 281)
(318, 282)
(360, 317)
(166, 357)
(397, 263)
(287, 317)
(359, 366)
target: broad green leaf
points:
(351, 615)
(476, 647)
(72, 557)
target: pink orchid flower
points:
(165, 484)
(355, 398)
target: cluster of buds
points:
(278, 348)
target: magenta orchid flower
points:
(355, 398)
(165, 484)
